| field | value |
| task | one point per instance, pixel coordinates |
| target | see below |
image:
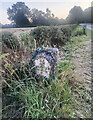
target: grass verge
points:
(39, 102)
(81, 95)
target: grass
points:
(28, 41)
(31, 98)
(81, 95)
(10, 41)
(24, 96)
(74, 43)
(78, 31)
(39, 102)
(51, 102)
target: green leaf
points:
(4, 55)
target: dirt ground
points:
(82, 74)
(82, 62)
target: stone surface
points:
(43, 67)
(45, 61)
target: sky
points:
(60, 8)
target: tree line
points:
(22, 16)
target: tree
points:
(38, 17)
(41, 18)
(19, 13)
(92, 14)
(48, 12)
(75, 15)
(88, 15)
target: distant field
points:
(17, 31)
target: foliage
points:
(52, 36)
(78, 31)
(88, 15)
(75, 40)
(40, 102)
(82, 96)
(10, 41)
(19, 13)
(36, 101)
(51, 102)
(25, 17)
(31, 96)
(4, 55)
(44, 18)
(28, 41)
(23, 94)
(75, 15)
(63, 65)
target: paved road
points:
(88, 26)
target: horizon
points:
(59, 9)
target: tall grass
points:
(39, 102)
(78, 31)
(10, 41)
(53, 101)
(21, 89)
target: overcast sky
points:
(59, 7)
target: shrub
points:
(10, 41)
(51, 36)
(58, 37)
(37, 101)
(67, 29)
(28, 41)
(78, 31)
(41, 35)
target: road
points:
(88, 26)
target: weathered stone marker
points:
(45, 61)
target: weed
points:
(39, 102)
(51, 36)
(10, 41)
(78, 31)
(53, 101)
(81, 95)
(28, 42)
(22, 89)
